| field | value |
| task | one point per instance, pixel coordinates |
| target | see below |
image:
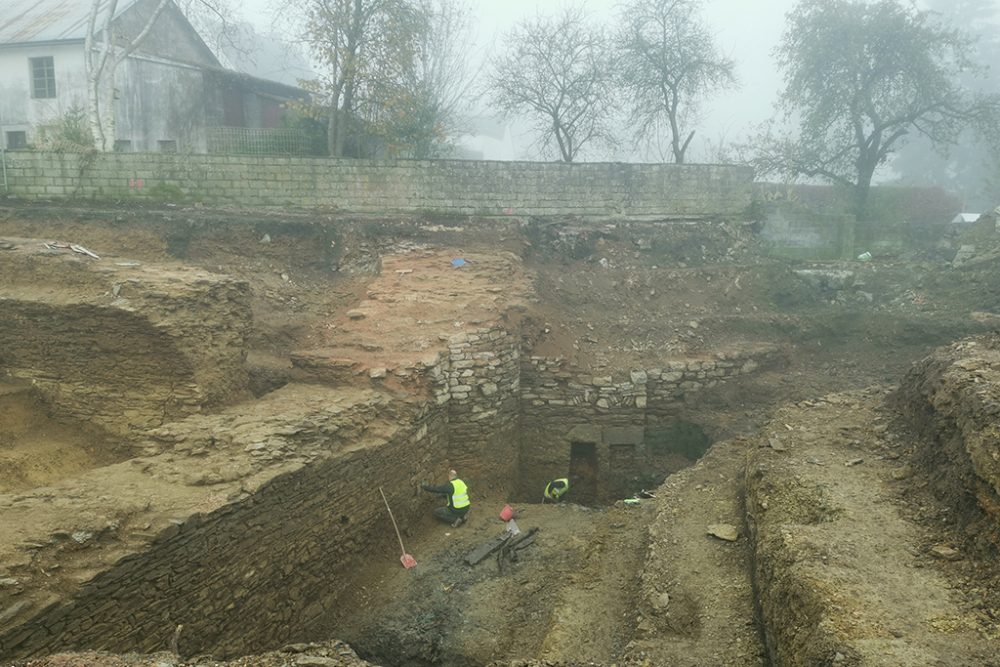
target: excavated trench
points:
(235, 508)
(37, 450)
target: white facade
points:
(22, 113)
(169, 94)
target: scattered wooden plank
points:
(509, 550)
(525, 543)
(483, 551)
(521, 540)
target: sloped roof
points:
(24, 21)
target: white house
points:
(171, 93)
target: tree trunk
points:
(331, 131)
(866, 170)
(110, 113)
(101, 67)
(94, 111)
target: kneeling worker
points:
(458, 500)
(555, 490)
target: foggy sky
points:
(746, 31)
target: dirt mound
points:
(842, 569)
(952, 404)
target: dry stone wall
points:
(562, 405)
(380, 186)
(261, 570)
(480, 384)
(121, 347)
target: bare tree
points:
(391, 69)
(967, 167)
(558, 71)
(441, 78)
(861, 78)
(669, 63)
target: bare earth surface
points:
(838, 551)
(841, 530)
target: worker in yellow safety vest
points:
(457, 492)
(555, 490)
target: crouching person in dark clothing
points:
(458, 500)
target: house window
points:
(17, 139)
(123, 146)
(167, 145)
(43, 77)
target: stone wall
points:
(119, 345)
(621, 416)
(455, 186)
(480, 383)
(266, 568)
(798, 234)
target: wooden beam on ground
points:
(485, 549)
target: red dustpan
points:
(406, 559)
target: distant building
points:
(965, 218)
(487, 138)
(171, 94)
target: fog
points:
(747, 31)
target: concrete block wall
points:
(381, 186)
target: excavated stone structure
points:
(261, 504)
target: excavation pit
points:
(239, 497)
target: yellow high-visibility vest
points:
(460, 494)
(556, 493)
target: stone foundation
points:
(121, 345)
(621, 416)
(241, 528)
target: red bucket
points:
(507, 513)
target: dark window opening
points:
(43, 77)
(123, 146)
(16, 140)
(167, 145)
